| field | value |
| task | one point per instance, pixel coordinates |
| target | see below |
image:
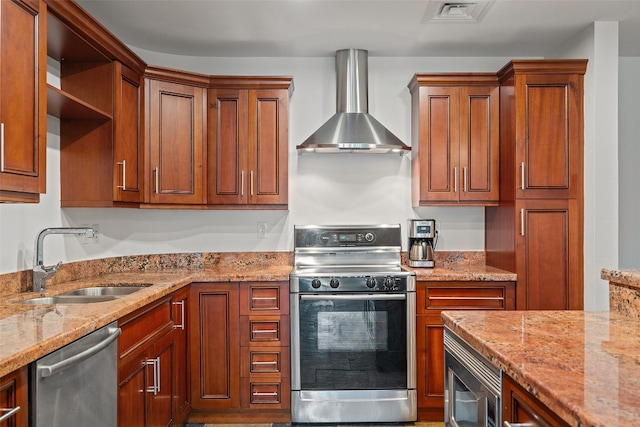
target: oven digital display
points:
(347, 238)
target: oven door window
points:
(353, 342)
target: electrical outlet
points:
(262, 230)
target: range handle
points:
(353, 297)
(49, 370)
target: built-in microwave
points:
(472, 386)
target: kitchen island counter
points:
(584, 366)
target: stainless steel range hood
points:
(352, 129)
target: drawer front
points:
(265, 394)
(465, 298)
(266, 297)
(264, 330)
(142, 326)
(264, 361)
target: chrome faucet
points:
(40, 272)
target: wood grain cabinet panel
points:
(248, 142)
(432, 298)
(455, 134)
(519, 407)
(537, 229)
(176, 143)
(23, 105)
(14, 393)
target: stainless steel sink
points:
(69, 299)
(88, 295)
(115, 291)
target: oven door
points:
(353, 357)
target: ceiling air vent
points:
(467, 11)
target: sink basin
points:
(69, 299)
(115, 291)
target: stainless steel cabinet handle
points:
(522, 175)
(265, 363)
(455, 180)
(182, 322)
(1, 147)
(508, 424)
(47, 371)
(124, 174)
(464, 179)
(155, 364)
(522, 222)
(264, 331)
(264, 298)
(10, 412)
(466, 298)
(251, 184)
(157, 186)
(242, 183)
(264, 394)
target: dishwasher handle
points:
(49, 370)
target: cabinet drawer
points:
(265, 394)
(256, 298)
(142, 326)
(460, 297)
(264, 330)
(261, 361)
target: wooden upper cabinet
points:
(455, 133)
(127, 135)
(176, 142)
(23, 106)
(542, 127)
(248, 142)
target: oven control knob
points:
(334, 283)
(369, 237)
(315, 283)
(371, 282)
(390, 284)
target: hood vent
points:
(352, 129)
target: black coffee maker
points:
(422, 242)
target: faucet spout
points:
(40, 271)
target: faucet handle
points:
(52, 269)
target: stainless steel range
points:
(353, 337)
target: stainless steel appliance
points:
(353, 337)
(423, 238)
(472, 386)
(77, 384)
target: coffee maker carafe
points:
(422, 242)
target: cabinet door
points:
(549, 134)
(479, 143)
(132, 390)
(549, 255)
(268, 152)
(176, 137)
(439, 143)
(160, 382)
(22, 100)
(430, 366)
(519, 406)
(127, 140)
(182, 371)
(227, 147)
(14, 394)
(215, 346)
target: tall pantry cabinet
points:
(536, 230)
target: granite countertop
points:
(584, 366)
(28, 332)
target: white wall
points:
(328, 189)
(629, 162)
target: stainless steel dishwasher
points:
(77, 384)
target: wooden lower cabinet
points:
(519, 407)
(432, 298)
(239, 352)
(182, 367)
(147, 366)
(14, 393)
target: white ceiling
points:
(262, 28)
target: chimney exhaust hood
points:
(352, 129)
